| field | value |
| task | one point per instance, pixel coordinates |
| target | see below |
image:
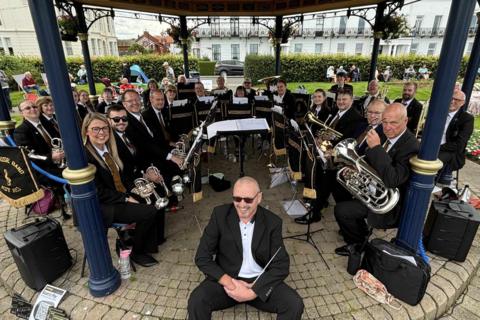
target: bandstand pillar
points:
(473, 64)
(278, 42)
(376, 41)
(184, 37)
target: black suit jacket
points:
(363, 146)
(220, 248)
(414, 111)
(27, 135)
(288, 105)
(359, 105)
(148, 147)
(322, 115)
(458, 133)
(49, 126)
(102, 107)
(131, 164)
(82, 111)
(251, 95)
(347, 123)
(153, 123)
(346, 87)
(393, 168)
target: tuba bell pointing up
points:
(362, 181)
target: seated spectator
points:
(165, 83)
(125, 85)
(354, 73)
(29, 84)
(457, 132)
(331, 74)
(82, 75)
(423, 73)
(387, 74)
(409, 73)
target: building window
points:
(104, 46)
(414, 48)
(297, 48)
(473, 24)
(234, 26)
(68, 48)
(235, 52)
(253, 48)
(436, 24)
(431, 49)
(94, 46)
(216, 53)
(343, 25)
(418, 25)
(361, 26)
(358, 48)
(319, 23)
(8, 44)
(340, 47)
(318, 47)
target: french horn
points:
(362, 181)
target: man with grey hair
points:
(372, 94)
(243, 256)
(391, 162)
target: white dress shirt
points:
(447, 123)
(249, 268)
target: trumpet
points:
(362, 181)
(152, 170)
(145, 189)
(57, 146)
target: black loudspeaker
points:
(40, 252)
(450, 228)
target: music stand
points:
(239, 127)
(307, 237)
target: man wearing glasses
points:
(251, 93)
(457, 132)
(242, 254)
(374, 121)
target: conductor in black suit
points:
(413, 106)
(391, 162)
(457, 132)
(238, 242)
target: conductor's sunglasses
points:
(247, 200)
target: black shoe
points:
(143, 259)
(308, 218)
(66, 216)
(343, 251)
(161, 241)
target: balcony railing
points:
(333, 32)
(227, 32)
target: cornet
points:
(145, 189)
(178, 187)
(154, 171)
(57, 146)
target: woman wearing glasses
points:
(112, 189)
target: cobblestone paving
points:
(161, 292)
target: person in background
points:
(387, 74)
(169, 73)
(5, 88)
(82, 75)
(29, 84)
(152, 84)
(247, 84)
(84, 100)
(125, 85)
(164, 84)
(107, 101)
(423, 73)
(126, 72)
(331, 74)
(182, 79)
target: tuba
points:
(362, 181)
(57, 146)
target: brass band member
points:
(319, 105)
(285, 98)
(374, 121)
(413, 106)
(391, 162)
(373, 94)
(238, 242)
(47, 116)
(344, 120)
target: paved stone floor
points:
(161, 292)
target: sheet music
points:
(206, 99)
(207, 84)
(261, 98)
(236, 125)
(179, 103)
(239, 100)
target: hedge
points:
(110, 67)
(206, 68)
(313, 67)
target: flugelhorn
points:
(57, 146)
(362, 181)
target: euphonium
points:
(327, 134)
(57, 146)
(361, 180)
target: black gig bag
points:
(394, 267)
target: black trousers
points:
(147, 225)
(210, 296)
(350, 216)
(326, 184)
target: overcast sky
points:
(127, 28)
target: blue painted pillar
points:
(184, 38)
(376, 41)
(426, 165)
(104, 278)
(83, 36)
(278, 42)
(473, 64)
(4, 112)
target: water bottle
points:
(124, 264)
(68, 203)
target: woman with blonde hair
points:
(116, 202)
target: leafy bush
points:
(206, 68)
(313, 67)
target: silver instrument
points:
(326, 133)
(178, 187)
(31, 154)
(181, 147)
(362, 181)
(160, 202)
(57, 146)
(145, 189)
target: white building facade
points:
(17, 34)
(330, 33)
